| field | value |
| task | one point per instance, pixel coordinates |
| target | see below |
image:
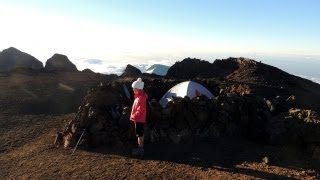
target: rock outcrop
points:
(235, 69)
(12, 59)
(251, 71)
(88, 71)
(190, 68)
(60, 63)
(131, 71)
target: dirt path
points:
(28, 153)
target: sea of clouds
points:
(108, 67)
(300, 66)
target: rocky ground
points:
(27, 133)
(28, 153)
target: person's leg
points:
(141, 141)
(140, 136)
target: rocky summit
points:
(236, 69)
(13, 59)
(61, 63)
(260, 123)
(131, 71)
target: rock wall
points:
(104, 115)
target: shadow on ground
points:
(226, 154)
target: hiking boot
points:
(138, 151)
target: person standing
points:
(138, 114)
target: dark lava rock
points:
(189, 68)
(88, 71)
(131, 71)
(61, 63)
(235, 69)
(12, 58)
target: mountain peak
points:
(12, 58)
(11, 49)
(158, 69)
(131, 71)
(60, 62)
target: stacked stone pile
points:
(104, 117)
(296, 127)
(238, 89)
(201, 118)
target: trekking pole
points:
(78, 142)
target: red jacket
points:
(139, 108)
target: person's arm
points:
(140, 109)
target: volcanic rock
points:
(296, 127)
(235, 69)
(106, 112)
(60, 63)
(251, 71)
(12, 58)
(88, 71)
(189, 68)
(255, 111)
(131, 71)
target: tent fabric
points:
(186, 88)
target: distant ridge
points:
(158, 69)
(236, 69)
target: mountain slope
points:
(264, 79)
(12, 58)
(158, 69)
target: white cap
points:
(138, 84)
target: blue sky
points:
(143, 30)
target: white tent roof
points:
(186, 88)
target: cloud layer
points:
(307, 69)
(93, 61)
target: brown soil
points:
(28, 153)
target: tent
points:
(186, 88)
